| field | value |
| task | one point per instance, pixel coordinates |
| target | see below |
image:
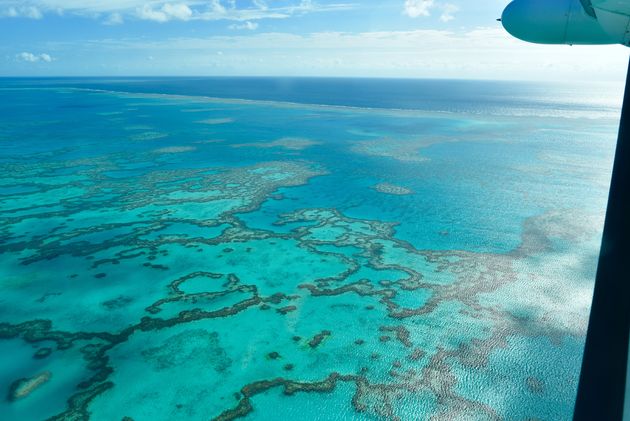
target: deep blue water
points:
(495, 97)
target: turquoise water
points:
(220, 249)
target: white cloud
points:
(28, 57)
(178, 11)
(165, 10)
(34, 58)
(148, 13)
(217, 7)
(30, 12)
(261, 4)
(448, 12)
(114, 19)
(481, 53)
(246, 25)
(416, 8)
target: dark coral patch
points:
(287, 309)
(319, 338)
(417, 354)
(42, 353)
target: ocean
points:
(318, 249)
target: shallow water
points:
(185, 257)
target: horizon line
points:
(402, 78)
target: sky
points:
(368, 38)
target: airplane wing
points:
(614, 6)
(569, 21)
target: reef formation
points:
(124, 263)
